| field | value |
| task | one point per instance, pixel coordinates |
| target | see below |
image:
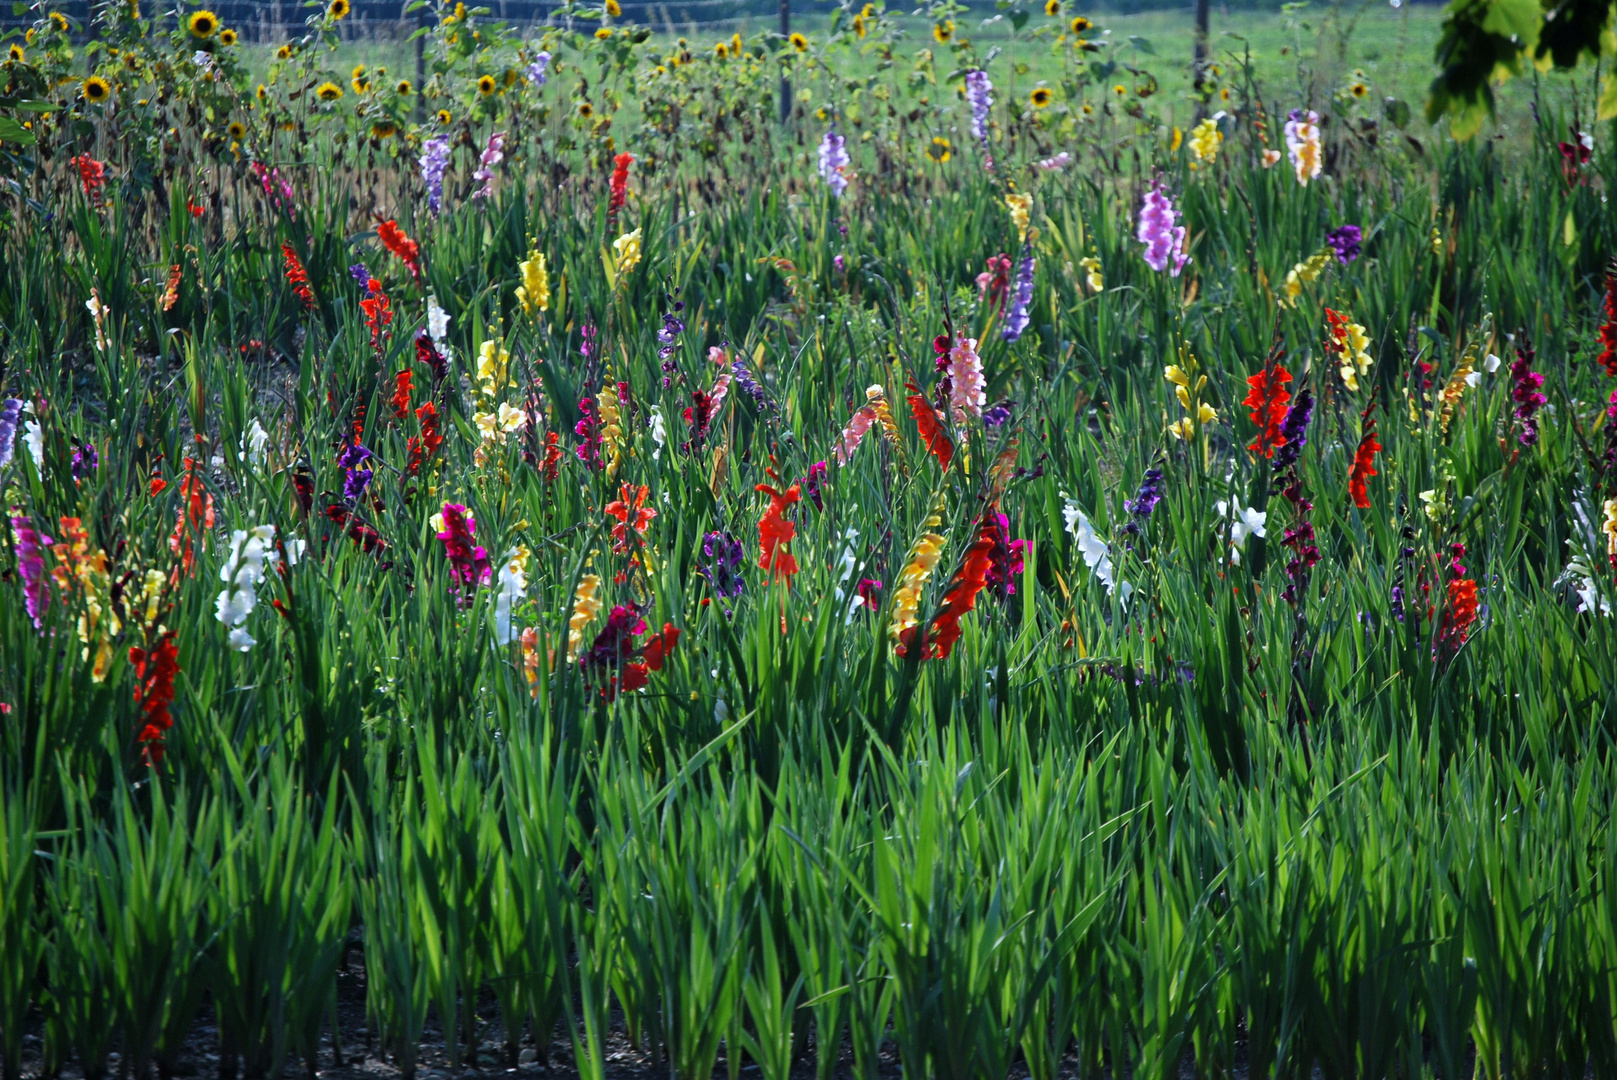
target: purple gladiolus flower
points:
(434, 163)
(1526, 390)
(1146, 499)
(361, 274)
(356, 478)
(1295, 430)
(1016, 319)
(487, 162)
(538, 70)
(85, 461)
(1158, 230)
(10, 413)
(997, 414)
(722, 557)
(1345, 242)
(980, 96)
(816, 474)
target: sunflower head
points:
(721, 50)
(358, 72)
(361, 86)
(227, 37)
(328, 91)
(59, 21)
(15, 54)
(1041, 97)
(799, 42)
(585, 109)
(735, 44)
(941, 149)
(262, 91)
(444, 117)
(384, 130)
(203, 24)
(284, 53)
(943, 32)
(602, 33)
(404, 89)
(338, 9)
(1119, 89)
(486, 85)
(859, 26)
(96, 90)
(1052, 8)
(1080, 25)
(613, 8)
(236, 130)
(1358, 90)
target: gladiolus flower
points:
(631, 511)
(1349, 340)
(862, 421)
(720, 564)
(1158, 230)
(297, 276)
(534, 292)
(434, 163)
(918, 566)
(1526, 390)
(469, 563)
(959, 598)
(930, 426)
(626, 252)
(619, 183)
(967, 387)
(155, 670)
(1204, 141)
(92, 176)
(1608, 330)
(1364, 463)
(775, 534)
(1303, 144)
(1267, 400)
(487, 162)
(586, 605)
(30, 543)
(394, 239)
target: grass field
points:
(985, 577)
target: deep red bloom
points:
(1267, 399)
(551, 466)
(467, 560)
(1364, 464)
(401, 394)
(927, 422)
(368, 539)
(427, 353)
(395, 240)
(1608, 331)
(155, 669)
(378, 312)
(297, 276)
(620, 182)
(775, 533)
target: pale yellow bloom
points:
(627, 250)
(1094, 280)
(1304, 273)
(492, 364)
(1204, 142)
(611, 427)
(586, 605)
(923, 559)
(534, 292)
(1021, 207)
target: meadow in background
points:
(1037, 563)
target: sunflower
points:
(262, 92)
(1041, 97)
(284, 53)
(203, 24)
(721, 50)
(444, 117)
(1052, 8)
(799, 42)
(613, 8)
(1224, 93)
(1358, 90)
(943, 32)
(1119, 89)
(859, 26)
(328, 91)
(941, 149)
(236, 130)
(339, 9)
(486, 85)
(96, 90)
(585, 109)
(358, 81)
(602, 33)
(404, 89)
(227, 37)
(384, 130)
(59, 21)
(735, 44)
(1080, 25)
(16, 54)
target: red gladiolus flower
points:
(961, 596)
(297, 276)
(92, 175)
(1364, 463)
(423, 446)
(927, 422)
(401, 394)
(551, 466)
(154, 692)
(660, 646)
(620, 182)
(369, 540)
(395, 240)
(1608, 332)
(427, 353)
(467, 560)
(775, 533)
(195, 516)
(1268, 401)
(631, 511)
(378, 312)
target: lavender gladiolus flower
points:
(1295, 430)
(997, 414)
(10, 413)
(746, 383)
(1345, 242)
(1016, 319)
(834, 161)
(434, 163)
(980, 96)
(1146, 499)
(538, 70)
(1164, 240)
(361, 274)
(85, 461)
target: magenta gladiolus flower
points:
(31, 565)
(456, 529)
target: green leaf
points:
(11, 130)
(1142, 44)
